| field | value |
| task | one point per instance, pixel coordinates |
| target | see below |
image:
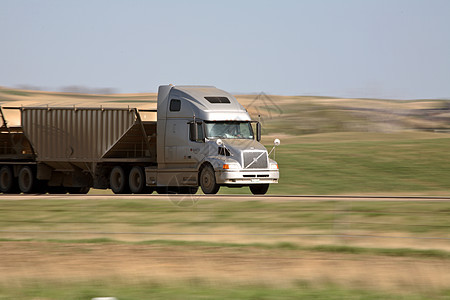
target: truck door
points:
(196, 149)
(177, 135)
(176, 141)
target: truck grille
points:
(260, 163)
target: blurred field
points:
(227, 220)
(259, 249)
(84, 271)
(197, 246)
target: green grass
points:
(238, 220)
(194, 289)
(364, 167)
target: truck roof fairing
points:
(196, 96)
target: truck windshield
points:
(229, 130)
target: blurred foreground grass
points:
(223, 248)
(260, 220)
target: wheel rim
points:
(136, 180)
(4, 180)
(26, 180)
(116, 180)
(207, 180)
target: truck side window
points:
(200, 134)
(175, 105)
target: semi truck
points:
(196, 136)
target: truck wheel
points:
(6, 180)
(208, 181)
(118, 180)
(26, 180)
(136, 180)
(259, 189)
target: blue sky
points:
(396, 49)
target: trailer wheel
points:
(118, 180)
(7, 184)
(259, 189)
(208, 180)
(26, 180)
(136, 180)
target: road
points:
(229, 197)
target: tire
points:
(27, 181)
(136, 180)
(259, 189)
(7, 181)
(118, 180)
(208, 180)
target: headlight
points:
(273, 166)
(230, 166)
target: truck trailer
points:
(196, 136)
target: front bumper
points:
(247, 177)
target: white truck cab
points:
(206, 138)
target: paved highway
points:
(228, 197)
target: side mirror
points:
(276, 142)
(258, 131)
(193, 131)
(219, 142)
